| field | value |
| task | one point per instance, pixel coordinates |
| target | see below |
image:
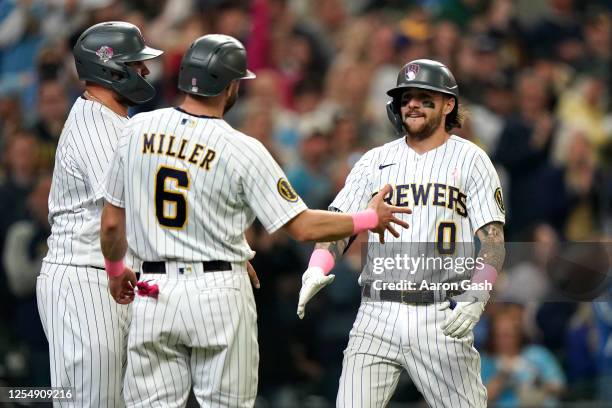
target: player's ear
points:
(449, 104)
(233, 87)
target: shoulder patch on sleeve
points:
(286, 190)
(499, 199)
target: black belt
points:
(422, 297)
(103, 269)
(208, 266)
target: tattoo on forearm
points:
(336, 248)
(492, 249)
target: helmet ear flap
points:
(134, 87)
(395, 117)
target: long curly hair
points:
(456, 118)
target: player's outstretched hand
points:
(253, 276)
(122, 287)
(386, 214)
(463, 318)
(313, 280)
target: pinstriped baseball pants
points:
(388, 337)
(200, 331)
(87, 333)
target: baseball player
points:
(455, 194)
(87, 330)
(182, 189)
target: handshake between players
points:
(308, 225)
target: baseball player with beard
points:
(455, 193)
(182, 189)
(87, 330)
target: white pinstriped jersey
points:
(191, 186)
(84, 151)
(453, 190)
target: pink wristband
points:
(114, 268)
(323, 259)
(485, 274)
(364, 220)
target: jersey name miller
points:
(438, 194)
(168, 145)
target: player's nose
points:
(414, 103)
(410, 103)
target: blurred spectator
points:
(329, 20)
(487, 65)
(344, 138)
(21, 158)
(265, 118)
(560, 30)
(518, 374)
(259, 123)
(49, 64)
(21, 162)
(381, 56)
(488, 118)
(310, 177)
(598, 39)
(571, 193)
(445, 42)
(52, 113)
(229, 17)
(523, 150)
(580, 355)
(603, 317)
(20, 40)
(10, 116)
(583, 106)
(460, 12)
(415, 35)
(553, 72)
(307, 96)
(25, 247)
(26, 243)
(527, 281)
(598, 36)
(501, 21)
(346, 91)
(294, 48)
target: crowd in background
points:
(535, 76)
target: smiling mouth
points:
(414, 116)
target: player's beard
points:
(425, 130)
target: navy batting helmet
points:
(425, 74)
(211, 63)
(101, 55)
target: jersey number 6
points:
(171, 206)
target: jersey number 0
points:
(171, 206)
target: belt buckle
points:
(402, 292)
